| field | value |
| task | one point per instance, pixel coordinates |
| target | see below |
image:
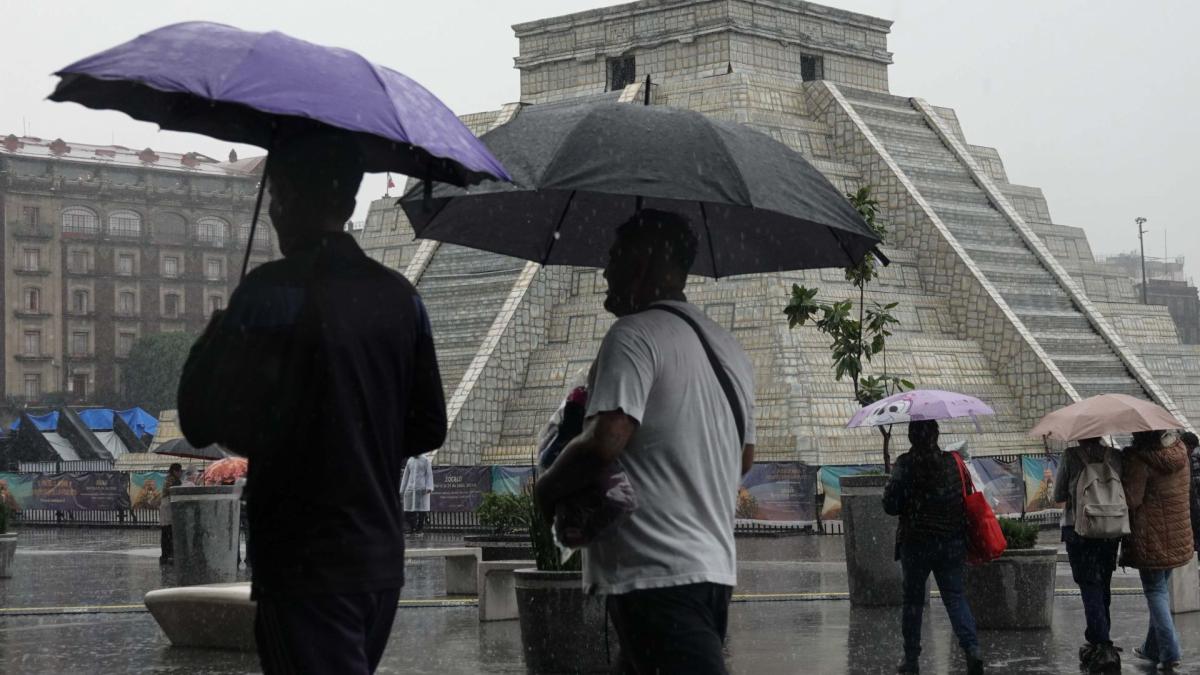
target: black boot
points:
(1087, 652)
(974, 663)
(1105, 659)
(907, 665)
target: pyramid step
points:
(1072, 343)
(1009, 273)
(1012, 255)
(904, 133)
(1094, 386)
(1052, 322)
(1021, 297)
(1090, 365)
(935, 175)
(854, 94)
(968, 195)
(873, 113)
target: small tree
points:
(855, 341)
(153, 370)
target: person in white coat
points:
(416, 486)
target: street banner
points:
(830, 478)
(146, 489)
(16, 489)
(1039, 473)
(511, 480)
(1000, 482)
(459, 489)
(779, 491)
(78, 491)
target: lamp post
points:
(1141, 234)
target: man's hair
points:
(175, 467)
(1189, 439)
(669, 234)
(324, 168)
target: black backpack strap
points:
(722, 375)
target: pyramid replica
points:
(995, 299)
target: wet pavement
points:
(789, 616)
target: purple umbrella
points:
(249, 87)
(918, 405)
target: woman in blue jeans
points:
(927, 493)
(1156, 480)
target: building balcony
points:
(31, 314)
(40, 272)
(35, 232)
(33, 358)
(81, 272)
(214, 242)
(81, 356)
(84, 314)
(126, 314)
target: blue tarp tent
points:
(47, 422)
(97, 419)
(140, 421)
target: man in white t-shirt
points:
(657, 404)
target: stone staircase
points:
(462, 289)
(997, 249)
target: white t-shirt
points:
(684, 460)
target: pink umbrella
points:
(1105, 415)
(919, 405)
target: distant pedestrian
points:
(926, 492)
(1193, 446)
(1157, 478)
(417, 487)
(166, 538)
(1092, 559)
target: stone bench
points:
(214, 616)
(221, 616)
(462, 565)
(497, 588)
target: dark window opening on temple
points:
(811, 68)
(622, 71)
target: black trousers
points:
(318, 634)
(166, 541)
(680, 629)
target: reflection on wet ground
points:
(68, 569)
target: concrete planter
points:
(870, 537)
(207, 532)
(501, 546)
(1015, 591)
(8, 549)
(562, 628)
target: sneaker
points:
(1105, 659)
(1137, 651)
(1169, 666)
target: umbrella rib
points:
(262, 186)
(558, 228)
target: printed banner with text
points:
(779, 491)
(459, 489)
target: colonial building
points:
(104, 244)
(995, 298)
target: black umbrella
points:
(580, 171)
(178, 447)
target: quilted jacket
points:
(1157, 483)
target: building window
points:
(125, 342)
(811, 67)
(213, 269)
(79, 301)
(124, 224)
(31, 216)
(127, 303)
(216, 303)
(80, 220)
(212, 231)
(262, 234)
(79, 343)
(171, 305)
(33, 387)
(80, 262)
(622, 71)
(33, 343)
(79, 384)
(33, 260)
(125, 264)
(171, 266)
(33, 300)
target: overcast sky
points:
(1088, 99)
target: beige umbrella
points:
(1104, 415)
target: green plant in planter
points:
(541, 538)
(504, 513)
(1018, 533)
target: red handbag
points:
(985, 540)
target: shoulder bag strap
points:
(722, 376)
(962, 475)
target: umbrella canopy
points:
(919, 405)
(1104, 415)
(238, 85)
(580, 171)
(226, 471)
(179, 447)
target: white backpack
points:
(1100, 508)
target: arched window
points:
(124, 224)
(33, 299)
(170, 226)
(80, 220)
(211, 230)
(262, 234)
